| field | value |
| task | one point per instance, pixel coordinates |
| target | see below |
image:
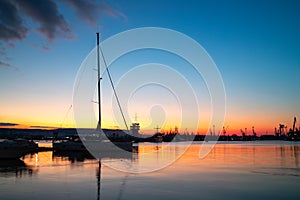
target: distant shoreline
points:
(64, 133)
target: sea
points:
(229, 170)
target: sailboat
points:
(98, 144)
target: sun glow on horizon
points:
(205, 128)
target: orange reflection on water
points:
(59, 164)
(245, 157)
(253, 157)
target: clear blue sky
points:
(255, 44)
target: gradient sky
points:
(255, 45)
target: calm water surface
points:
(251, 170)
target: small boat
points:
(158, 137)
(13, 149)
(69, 145)
(74, 156)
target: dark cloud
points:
(46, 14)
(46, 127)
(11, 23)
(50, 22)
(8, 124)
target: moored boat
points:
(69, 145)
(13, 149)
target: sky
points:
(254, 44)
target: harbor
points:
(134, 134)
(231, 169)
(165, 100)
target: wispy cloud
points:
(112, 12)
(44, 127)
(90, 10)
(8, 124)
(4, 64)
(86, 10)
(11, 45)
(45, 48)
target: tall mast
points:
(99, 79)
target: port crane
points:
(253, 132)
(243, 133)
(224, 131)
(294, 124)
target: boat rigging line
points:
(113, 87)
(67, 113)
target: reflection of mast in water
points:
(98, 175)
(122, 187)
